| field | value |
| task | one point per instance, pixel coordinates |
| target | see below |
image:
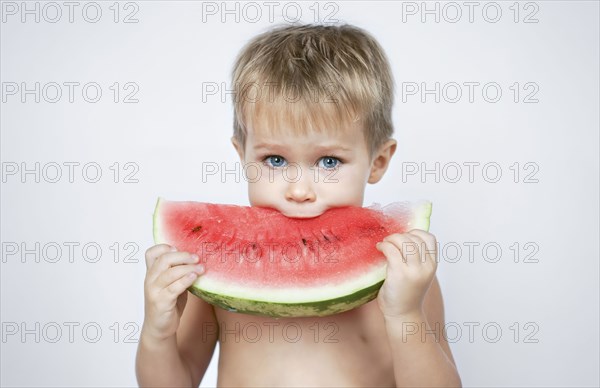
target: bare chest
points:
(348, 349)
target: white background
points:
(547, 310)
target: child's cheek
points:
(348, 185)
(263, 190)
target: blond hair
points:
(314, 77)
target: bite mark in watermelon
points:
(258, 261)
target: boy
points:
(318, 98)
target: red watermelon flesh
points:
(259, 261)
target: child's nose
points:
(300, 190)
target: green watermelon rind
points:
(346, 299)
(155, 232)
(307, 309)
(292, 294)
(422, 216)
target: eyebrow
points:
(318, 148)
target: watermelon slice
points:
(258, 261)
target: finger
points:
(172, 274)
(155, 251)
(179, 286)
(392, 254)
(418, 247)
(429, 249)
(170, 259)
(406, 245)
(424, 256)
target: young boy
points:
(318, 98)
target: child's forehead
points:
(322, 121)
(294, 129)
(285, 132)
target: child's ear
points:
(381, 160)
(238, 147)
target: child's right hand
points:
(168, 275)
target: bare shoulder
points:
(433, 306)
(197, 335)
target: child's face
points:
(304, 175)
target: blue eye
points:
(329, 162)
(275, 161)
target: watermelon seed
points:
(304, 242)
(197, 229)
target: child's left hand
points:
(412, 262)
